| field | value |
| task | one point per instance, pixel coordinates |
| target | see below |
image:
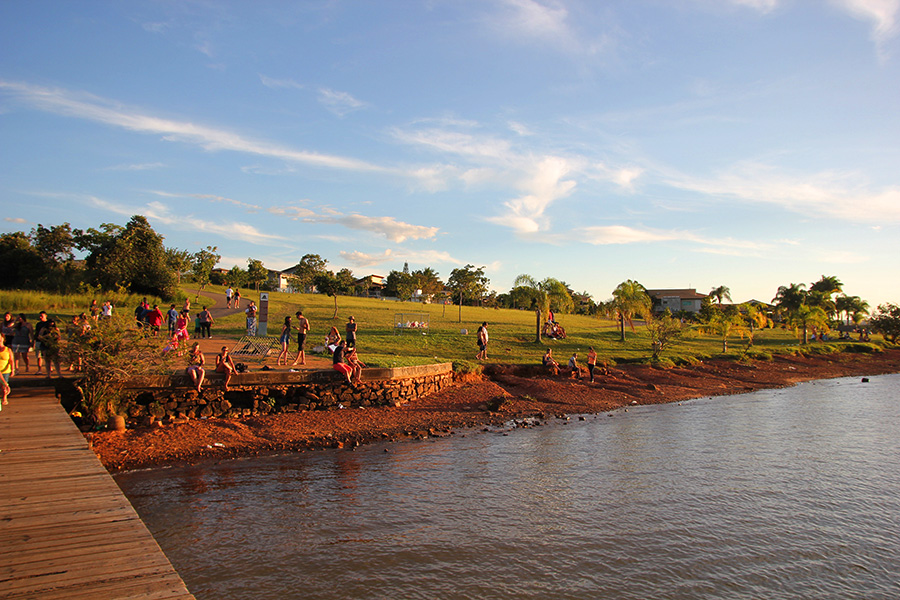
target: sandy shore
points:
(513, 392)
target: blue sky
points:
(681, 143)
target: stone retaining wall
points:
(262, 393)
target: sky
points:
(679, 143)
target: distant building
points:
(371, 285)
(687, 300)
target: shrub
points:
(464, 366)
(760, 355)
(861, 348)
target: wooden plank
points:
(65, 528)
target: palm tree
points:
(851, 306)
(789, 298)
(540, 300)
(630, 299)
(828, 284)
(720, 292)
(806, 317)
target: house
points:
(371, 285)
(687, 300)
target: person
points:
(573, 366)
(353, 360)
(285, 340)
(7, 369)
(106, 311)
(591, 362)
(229, 295)
(140, 313)
(50, 337)
(94, 310)
(76, 332)
(338, 362)
(187, 305)
(251, 318)
(482, 342)
(206, 321)
(154, 320)
(9, 329)
(351, 332)
(225, 365)
(237, 298)
(195, 365)
(172, 316)
(332, 339)
(22, 341)
(302, 328)
(181, 333)
(548, 361)
(38, 329)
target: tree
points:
(236, 276)
(179, 261)
(853, 307)
(400, 284)
(789, 298)
(719, 293)
(531, 294)
(327, 283)
(630, 299)
(54, 245)
(20, 263)
(886, 321)
(806, 317)
(467, 282)
(828, 285)
(428, 281)
(130, 258)
(559, 295)
(256, 273)
(722, 321)
(306, 270)
(203, 263)
(664, 331)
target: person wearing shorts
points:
(302, 328)
(285, 340)
(225, 365)
(339, 364)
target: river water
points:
(790, 493)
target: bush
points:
(861, 348)
(760, 355)
(821, 349)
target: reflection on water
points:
(777, 494)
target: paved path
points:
(66, 530)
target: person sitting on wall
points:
(549, 363)
(339, 362)
(225, 365)
(195, 365)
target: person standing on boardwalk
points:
(7, 369)
(591, 362)
(251, 318)
(50, 337)
(22, 341)
(229, 295)
(38, 329)
(302, 328)
(351, 332)
(206, 321)
(482, 342)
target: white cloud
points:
(763, 6)
(92, 108)
(525, 214)
(882, 14)
(136, 167)
(826, 194)
(19, 220)
(394, 230)
(361, 259)
(275, 84)
(339, 103)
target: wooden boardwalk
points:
(66, 530)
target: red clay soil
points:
(507, 394)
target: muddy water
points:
(790, 493)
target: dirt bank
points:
(511, 391)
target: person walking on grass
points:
(351, 332)
(285, 340)
(7, 369)
(482, 342)
(229, 296)
(302, 328)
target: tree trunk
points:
(622, 327)
(334, 316)
(460, 307)
(537, 315)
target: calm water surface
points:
(791, 493)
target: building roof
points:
(684, 294)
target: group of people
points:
(343, 350)
(573, 368)
(196, 363)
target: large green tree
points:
(327, 283)
(130, 258)
(306, 270)
(468, 282)
(202, 264)
(256, 273)
(886, 321)
(20, 264)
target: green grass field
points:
(381, 344)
